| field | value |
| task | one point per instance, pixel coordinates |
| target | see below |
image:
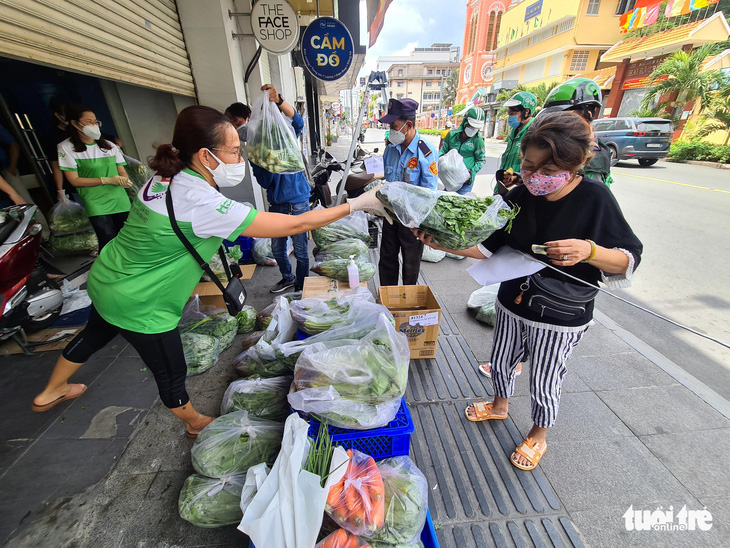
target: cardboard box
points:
(417, 315)
(210, 295)
(317, 286)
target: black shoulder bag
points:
(234, 294)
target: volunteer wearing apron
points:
(95, 167)
(546, 316)
(143, 278)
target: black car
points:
(643, 139)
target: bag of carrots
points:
(342, 539)
(357, 501)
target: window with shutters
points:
(579, 60)
(624, 6)
(429, 83)
(593, 7)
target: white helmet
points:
(449, 124)
(475, 117)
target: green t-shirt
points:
(511, 156)
(91, 163)
(143, 277)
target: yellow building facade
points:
(553, 40)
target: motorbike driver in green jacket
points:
(583, 96)
(470, 144)
(520, 110)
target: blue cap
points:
(399, 109)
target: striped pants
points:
(548, 346)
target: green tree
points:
(717, 113)
(541, 91)
(448, 93)
(681, 73)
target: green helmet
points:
(474, 117)
(576, 92)
(523, 99)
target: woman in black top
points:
(586, 236)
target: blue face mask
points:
(513, 121)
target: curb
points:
(715, 165)
(694, 385)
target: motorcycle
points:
(29, 300)
(321, 193)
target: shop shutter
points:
(135, 41)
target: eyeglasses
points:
(238, 151)
(91, 122)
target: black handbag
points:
(234, 294)
(554, 298)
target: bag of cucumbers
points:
(271, 141)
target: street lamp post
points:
(441, 98)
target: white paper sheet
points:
(374, 164)
(505, 264)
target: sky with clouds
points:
(416, 23)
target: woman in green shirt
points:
(143, 278)
(95, 167)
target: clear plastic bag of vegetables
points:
(235, 442)
(246, 319)
(483, 300)
(138, 173)
(454, 221)
(220, 325)
(315, 315)
(262, 254)
(354, 225)
(81, 242)
(271, 141)
(357, 501)
(67, 217)
(342, 538)
(211, 502)
(342, 250)
(337, 269)
(201, 352)
(406, 502)
(263, 398)
(452, 171)
(355, 384)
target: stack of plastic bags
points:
(71, 231)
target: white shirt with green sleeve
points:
(91, 163)
(143, 278)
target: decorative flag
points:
(698, 4)
(678, 7)
(376, 24)
(623, 22)
(668, 9)
(652, 14)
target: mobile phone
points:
(538, 249)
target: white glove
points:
(369, 203)
(61, 195)
(116, 180)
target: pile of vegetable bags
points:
(454, 221)
(271, 142)
(314, 315)
(71, 231)
(205, 333)
(354, 226)
(353, 383)
(339, 241)
(377, 504)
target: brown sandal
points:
(531, 450)
(69, 396)
(482, 412)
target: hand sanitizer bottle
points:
(353, 275)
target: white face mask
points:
(396, 136)
(470, 131)
(227, 174)
(92, 132)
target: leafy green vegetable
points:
(201, 352)
(342, 250)
(246, 319)
(487, 314)
(406, 501)
(208, 502)
(68, 218)
(337, 269)
(455, 222)
(138, 173)
(82, 242)
(314, 316)
(253, 365)
(338, 231)
(263, 398)
(234, 442)
(222, 326)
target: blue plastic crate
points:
(388, 441)
(301, 335)
(428, 535)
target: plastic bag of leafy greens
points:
(221, 325)
(454, 221)
(455, 256)
(355, 384)
(67, 217)
(81, 242)
(263, 318)
(234, 443)
(271, 142)
(431, 255)
(138, 173)
(211, 502)
(315, 315)
(246, 319)
(482, 300)
(406, 501)
(201, 352)
(263, 398)
(255, 477)
(354, 225)
(342, 250)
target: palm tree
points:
(448, 94)
(681, 73)
(541, 91)
(717, 113)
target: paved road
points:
(682, 215)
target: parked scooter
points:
(28, 299)
(321, 192)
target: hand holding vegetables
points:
(369, 203)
